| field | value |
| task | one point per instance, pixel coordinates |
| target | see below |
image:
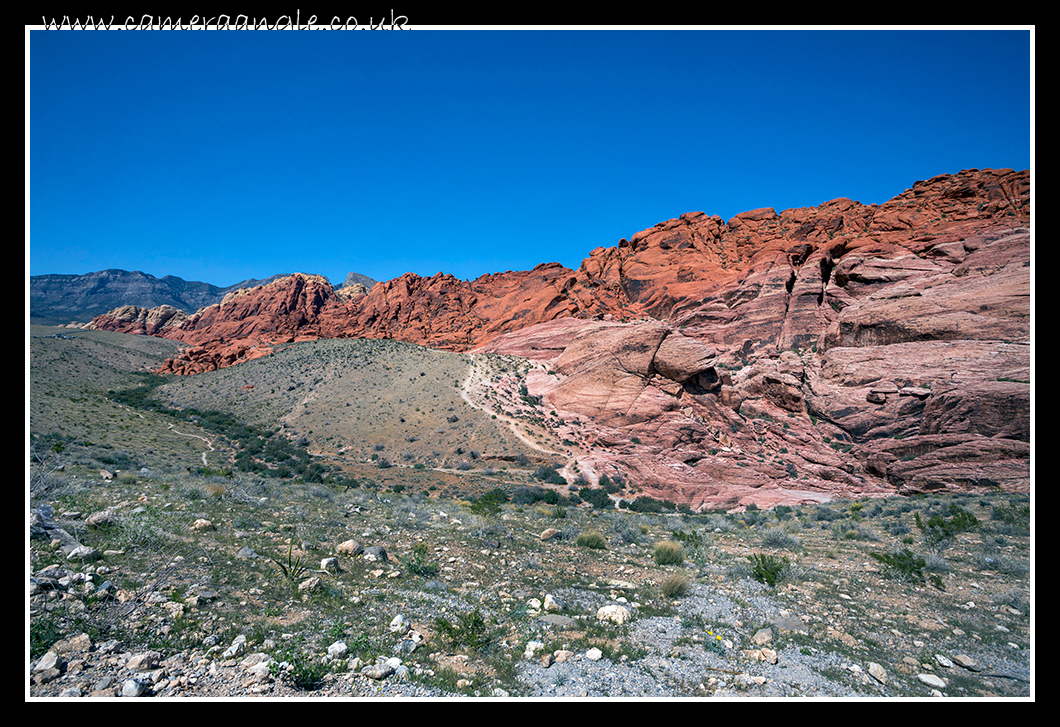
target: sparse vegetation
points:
(467, 556)
(777, 538)
(548, 473)
(669, 553)
(767, 568)
(676, 586)
(593, 540)
(291, 568)
(469, 632)
(940, 529)
(903, 565)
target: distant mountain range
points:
(62, 299)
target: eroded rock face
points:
(777, 358)
(621, 375)
(950, 463)
(888, 351)
(143, 321)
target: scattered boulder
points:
(375, 554)
(614, 613)
(349, 547)
(101, 519)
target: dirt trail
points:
(475, 376)
(209, 444)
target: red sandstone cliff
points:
(840, 349)
(786, 274)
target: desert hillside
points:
(192, 537)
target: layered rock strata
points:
(773, 358)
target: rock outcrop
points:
(775, 357)
(144, 321)
(76, 299)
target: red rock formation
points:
(789, 349)
(143, 321)
(886, 350)
(775, 279)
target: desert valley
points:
(783, 454)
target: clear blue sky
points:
(220, 156)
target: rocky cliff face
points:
(854, 350)
(776, 357)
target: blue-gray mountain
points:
(62, 299)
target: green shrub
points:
(307, 675)
(767, 568)
(903, 565)
(547, 473)
(1011, 519)
(417, 563)
(669, 553)
(490, 503)
(676, 586)
(939, 529)
(691, 538)
(43, 632)
(626, 530)
(597, 497)
(469, 631)
(592, 540)
(293, 568)
(647, 504)
(777, 538)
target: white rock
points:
(101, 519)
(967, 662)
(239, 645)
(51, 660)
(83, 552)
(144, 661)
(261, 673)
(531, 647)
(311, 584)
(932, 680)
(377, 671)
(614, 614)
(594, 654)
(349, 547)
(133, 688)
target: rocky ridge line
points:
(776, 358)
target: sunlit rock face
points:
(776, 358)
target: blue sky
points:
(221, 156)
